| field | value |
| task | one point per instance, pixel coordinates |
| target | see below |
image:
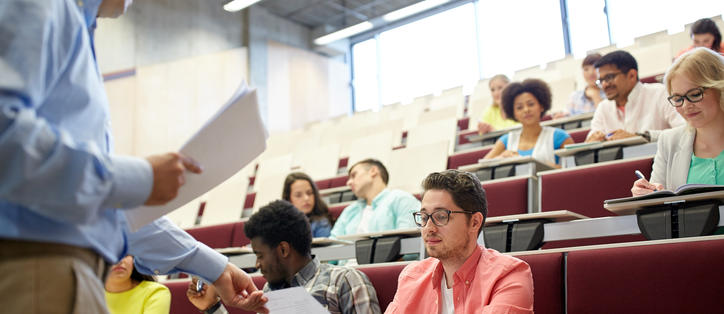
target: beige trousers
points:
(50, 278)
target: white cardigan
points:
(673, 157)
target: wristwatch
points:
(212, 309)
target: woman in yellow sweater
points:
(130, 292)
(494, 117)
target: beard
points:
(449, 250)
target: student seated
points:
(300, 190)
(494, 118)
(631, 107)
(692, 153)
(527, 102)
(460, 276)
(282, 241)
(586, 99)
(704, 33)
(377, 208)
(128, 291)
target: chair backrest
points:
(225, 202)
(384, 279)
(683, 277)
(467, 158)
(547, 270)
(412, 164)
(575, 189)
(508, 196)
(180, 304)
(317, 162)
(434, 132)
(221, 236)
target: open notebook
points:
(682, 190)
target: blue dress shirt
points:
(59, 181)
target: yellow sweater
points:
(148, 298)
(492, 117)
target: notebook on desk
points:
(685, 189)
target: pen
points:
(641, 176)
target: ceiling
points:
(335, 13)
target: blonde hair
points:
(501, 77)
(701, 66)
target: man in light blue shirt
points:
(62, 190)
(377, 208)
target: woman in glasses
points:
(692, 153)
(527, 102)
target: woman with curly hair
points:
(300, 190)
(527, 102)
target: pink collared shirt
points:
(488, 282)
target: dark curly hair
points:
(320, 210)
(369, 162)
(280, 221)
(623, 60)
(464, 187)
(538, 88)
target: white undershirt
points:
(446, 306)
(364, 223)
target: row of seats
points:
(678, 276)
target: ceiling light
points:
(344, 33)
(412, 10)
(238, 5)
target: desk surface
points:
(630, 208)
(487, 163)
(361, 236)
(556, 216)
(634, 140)
(578, 117)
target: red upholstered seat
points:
(466, 158)
(338, 181)
(506, 196)
(463, 136)
(335, 211)
(464, 123)
(665, 278)
(579, 136)
(583, 189)
(547, 272)
(180, 304)
(249, 201)
(323, 184)
(594, 241)
(384, 279)
(221, 236)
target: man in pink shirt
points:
(460, 276)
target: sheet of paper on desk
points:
(226, 143)
(292, 301)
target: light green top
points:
(392, 210)
(147, 298)
(706, 170)
(492, 116)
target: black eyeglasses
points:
(693, 95)
(608, 78)
(439, 217)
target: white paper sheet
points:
(228, 141)
(292, 301)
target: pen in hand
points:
(641, 176)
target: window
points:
(518, 34)
(428, 55)
(365, 82)
(587, 25)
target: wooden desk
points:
(379, 234)
(573, 122)
(524, 165)
(567, 154)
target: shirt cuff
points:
(132, 182)
(205, 262)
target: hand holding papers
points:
(232, 138)
(292, 301)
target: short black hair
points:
(280, 221)
(465, 189)
(538, 88)
(707, 26)
(623, 60)
(139, 277)
(374, 162)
